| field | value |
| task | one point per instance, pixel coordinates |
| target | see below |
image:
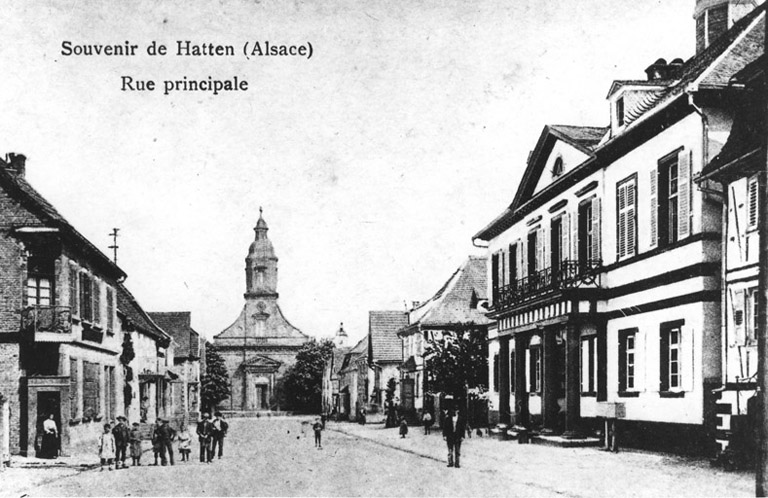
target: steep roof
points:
(39, 205)
(129, 307)
(583, 137)
(178, 325)
(384, 344)
(338, 360)
(457, 300)
(708, 70)
(352, 354)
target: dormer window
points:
(620, 111)
(557, 168)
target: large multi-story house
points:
(605, 268)
(460, 303)
(736, 169)
(59, 335)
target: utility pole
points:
(761, 474)
(114, 245)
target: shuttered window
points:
(752, 211)
(72, 276)
(671, 361)
(627, 359)
(626, 226)
(110, 310)
(73, 388)
(86, 298)
(670, 192)
(96, 290)
(91, 389)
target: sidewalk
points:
(572, 471)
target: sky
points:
(375, 161)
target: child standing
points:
(136, 444)
(403, 427)
(318, 428)
(106, 448)
(185, 439)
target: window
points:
(620, 111)
(533, 247)
(671, 356)
(626, 220)
(109, 383)
(588, 231)
(512, 264)
(588, 365)
(751, 307)
(670, 199)
(86, 297)
(535, 370)
(73, 388)
(495, 277)
(556, 239)
(627, 360)
(752, 211)
(557, 168)
(496, 375)
(40, 278)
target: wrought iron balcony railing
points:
(57, 319)
(569, 275)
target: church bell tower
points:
(261, 265)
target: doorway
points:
(48, 403)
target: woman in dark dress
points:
(49, 446)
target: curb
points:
(388, 445)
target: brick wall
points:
(9, 387)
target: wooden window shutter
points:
(96, 291)
(631, 218)
(575, 234)
(502, 268)
(546, 251)
(752, 211)
(621, 220)
(523, 258)
(539, 249)
(739, 316)
(686, 358)
(622, 361)
(565, 232)
(684, 194)
(596, 228)
(654, 208)
(664, 360)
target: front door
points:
(48, 403)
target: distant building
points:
(261, 344)
(186, 360)
(354, 367)
(462, 300)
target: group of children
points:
(115, 442)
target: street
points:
(274, 457)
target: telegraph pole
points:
(114, 245)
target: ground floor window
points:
(588, 358)
(670, 356)
(627, 360)
(91, 390)
(535, 370)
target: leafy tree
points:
(389, 402)
(302, 384)
(457, 362)
(215, 380)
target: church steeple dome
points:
(261, 264)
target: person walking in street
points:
(403, 427)
(106, 448)
(122, 437)
(204, 436)
(454, 426)
(49, 446)
(220, 428)
(318, 428)
(166, 434)
(136, 444)
(185, 441)
(427, 421)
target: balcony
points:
(570, 275)
(47, 323)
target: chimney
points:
(660, 70)
(15, 163)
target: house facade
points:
(59, 334)
(461, 301)
(735, 172)
(605, 268)
(354, 368)
(331, 400)
(383, 359)
(186, 360)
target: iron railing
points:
(56, 319)
(569, 275)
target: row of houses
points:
(621, 281)
(75, 344)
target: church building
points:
(261, 344)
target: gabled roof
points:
(710, 69)
(384, 344)
(584, 138)
(36, 203)
(129, 307)
(337, 360)
(456, 302)
(261, 361)
(178, 325)
(357, 350)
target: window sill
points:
(671, 394)
(590, 394)
(629, 394)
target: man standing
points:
(122, 437)
(204, 435)
(220, 427)
(166, 434)
(454, 426)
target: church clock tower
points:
(261, 265)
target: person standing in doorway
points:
(204, 436)
(220, 428)
(454, 426)
(49, 446)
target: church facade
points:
(261, 344)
